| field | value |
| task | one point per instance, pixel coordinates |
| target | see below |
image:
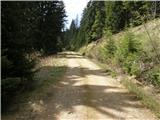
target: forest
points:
(31, 30)
(100, 17)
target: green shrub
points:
(108, 50)
(127, 54)
(17, 73)
(131, 65)
(153, 76)
(102, 54)
(110, 46)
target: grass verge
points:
(146, 99)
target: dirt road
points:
(87, 93)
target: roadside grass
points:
(146, 99)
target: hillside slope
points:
(143, 65)
(153, 27)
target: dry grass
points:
(146, 99)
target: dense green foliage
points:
(27, 27)
(91, 25)
(127, 54)
(70, 34)
(101, 16)
(49, 26)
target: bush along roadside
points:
(129, 55)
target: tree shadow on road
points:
(68, 93)
(107, 100)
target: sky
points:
(74, 8)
